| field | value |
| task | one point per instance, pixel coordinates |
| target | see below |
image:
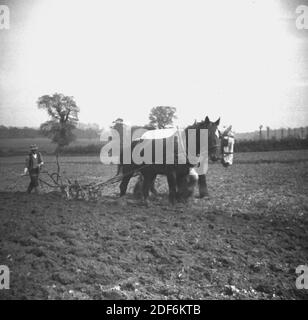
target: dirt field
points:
(243, 242)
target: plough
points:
(76, 190)
(73, 189)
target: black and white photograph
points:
(153, 150)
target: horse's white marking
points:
(159, 134)
(228, 150)
(193, 172)
(217, 133)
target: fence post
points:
(268, 132)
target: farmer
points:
(34, 161)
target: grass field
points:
(243, 242)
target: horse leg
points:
(185, 186)
(179, 186)
(147, 183)
(203, 192)
(138, 187)
(124, 184)
(171, 177)
(152, 188)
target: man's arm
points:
(41, 161)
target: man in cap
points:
(34, 161)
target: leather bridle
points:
(222, 136)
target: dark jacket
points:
(32, 163)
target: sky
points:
(242, 60)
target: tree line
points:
(63, 127)
(81, 132)
(288, 143)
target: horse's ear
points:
(217, 122)
(207, 121)
(227, 130)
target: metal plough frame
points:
(76, 190)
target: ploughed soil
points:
(59, 249)
(243, 242)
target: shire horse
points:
(180, 179)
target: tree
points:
(161, 117)
(118, 125)
(63, 112)
(118, 120)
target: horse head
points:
(213, 136)
(227, 145)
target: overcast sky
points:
(241, 60)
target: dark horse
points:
(226, 157)
(178, 174)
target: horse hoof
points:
(204, 195)
(146, 203)
(172, 202)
